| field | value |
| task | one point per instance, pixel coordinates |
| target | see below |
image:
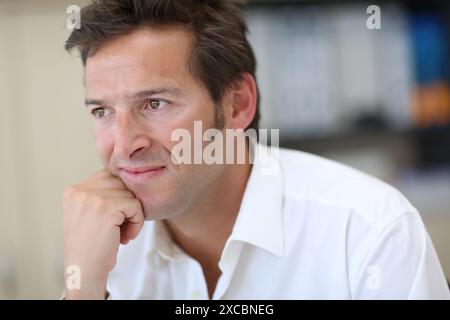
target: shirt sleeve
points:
(398, 261)
(107, 297)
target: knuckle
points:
(129, 193)
(137, 206)
(69, 192)
(116, 218)
(98, 202)
(82, 196)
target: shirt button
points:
(194, 295)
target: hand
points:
(99, 214)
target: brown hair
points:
(220, 53)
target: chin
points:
(155, 210)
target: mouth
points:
(141, 174)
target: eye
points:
(155, 104)
(98, 112)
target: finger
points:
(129, 231)
(104, 183)
(113, 194)
(134, 219)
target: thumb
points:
(130, 230)
(134, 221)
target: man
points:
(312, 229)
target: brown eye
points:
(154, 104)
(99, 112)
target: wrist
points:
(94, 293)
(87, 288)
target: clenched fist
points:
(99, 214)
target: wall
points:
(45, 141)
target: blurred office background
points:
(377, 100)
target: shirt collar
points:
(161, 241)
(259, 221)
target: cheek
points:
(201, 111)
(163, 135)
(104, 145)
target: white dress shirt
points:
(314, 229)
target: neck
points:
(203, 231)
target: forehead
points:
(146, 56)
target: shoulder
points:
(325, 183)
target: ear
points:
(240, 108)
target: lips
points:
(141, 169)
(141, 174)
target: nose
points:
(130, 137)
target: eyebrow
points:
(138, 95)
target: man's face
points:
(140, 90)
